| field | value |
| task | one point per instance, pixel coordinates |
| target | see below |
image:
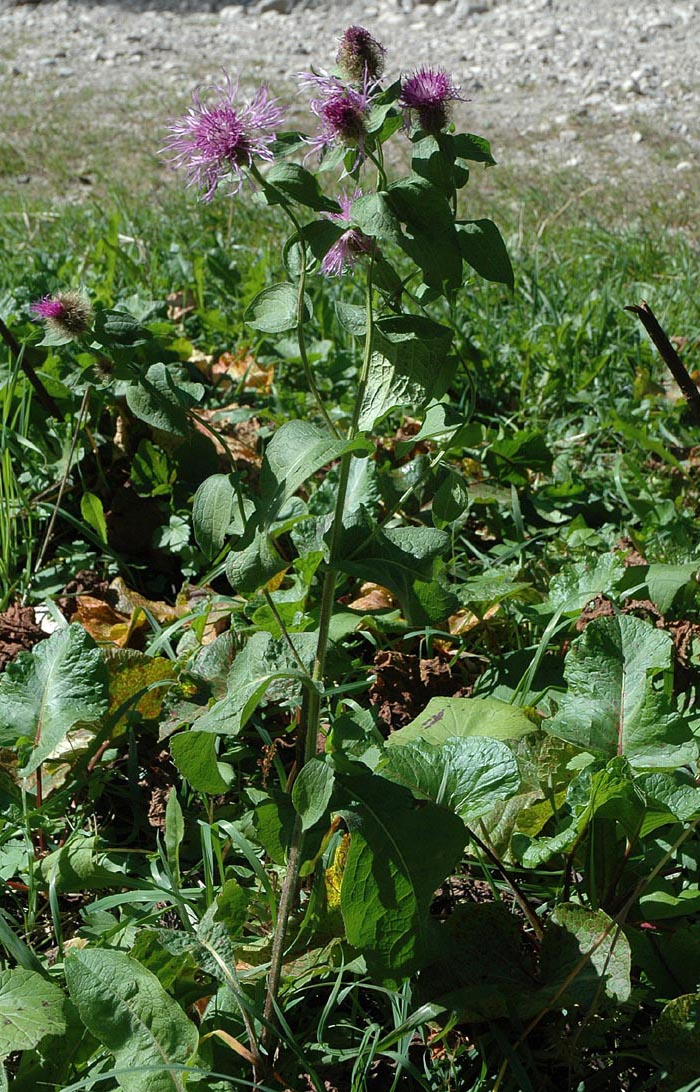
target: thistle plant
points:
(401, 240)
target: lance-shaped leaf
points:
(468, 776)
(399, 854)
(30, 1009)
(128, 1011)
(45, 693)
(296, 451)
(619, 699)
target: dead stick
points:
(43, 395)
(669, 356)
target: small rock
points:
(637, 137)
(684, 165)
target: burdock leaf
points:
(400, 852)
(619, 699)
(30, 1009)
(45, 693)
(128, 1011)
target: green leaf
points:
(445, 426)
(675, 1039)
(404, 559)
(399, 854)
(30, 1009)
(274, 310)
(46, 693)
(475, 149)
(162, 398)
(119, 328)
(451, 500)
(572, 932)
(174, 831)
(468, 776)
(194, 754)
(481, 245)
(125, 1007)
(297, 184)
(94, 514)
(373, 214)
(253, 562)
(514, 458)
(665, 581)
(213, 510)
(312, 791)
(620, 695)
(296, 451)
(409, 366)
(445, 718)
(80, 865)
(669, 798)
(430, 238)
(433, 159)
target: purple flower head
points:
(68, 314)
(429, 93)
(342, 111)
(360, 57)
(351, 245)
(218, 139)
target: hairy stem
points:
(313, 704)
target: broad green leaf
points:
(296, 451)
(46, 693)
(483, 249)
(573, 932)
(274, 310)
(295, 183)
(93, 513)
(445, 718)
(373, 214)
(119, 328)
(30, 1009)
(312, 791)
(669, 798)
(468, 776)
(473, 148)
(409, 366)
(162, 398)
(262, 662)
(665, 581)
(429, 238)
(213, 509)
(253, 562)
(406, 560)
(125, 1007)
(675, 1039)
(194, 754)
(578, 583)
(619, 698)
(445, 426)
(433, 158)
(451, 500)
(80, 865)
(514, 458)
(483, 971)
(399, 854)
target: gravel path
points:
(603, 87)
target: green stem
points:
(301, 289)
(313, 704)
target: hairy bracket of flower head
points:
(360, 56)
(68, 314)
(351, 245)
(342, 111)
(427, 95)
(218, 139)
